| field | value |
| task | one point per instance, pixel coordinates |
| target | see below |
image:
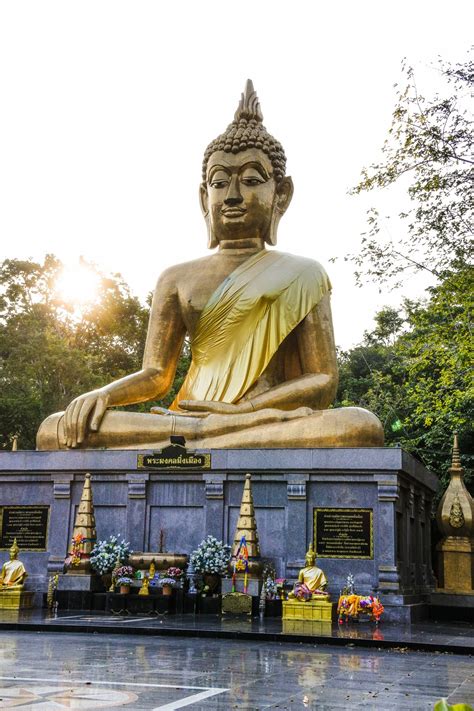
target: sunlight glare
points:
(78, 285)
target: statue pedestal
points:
(16, 599)
(313, 610)
(236, 603)
(254, 586)
(366, 510)
(317, 628)
(456, 565)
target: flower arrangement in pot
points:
(107, 555)
(170, 579)
(211, 559)
(123, 576)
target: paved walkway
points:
(429, 636)
(49, 672)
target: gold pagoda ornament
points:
(247, 528)
(84, 534)
(455, 519)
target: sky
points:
(107, 107)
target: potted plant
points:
(211, 559)
(167, 585)
(123, 577)
(106, 554)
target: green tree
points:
(436, 351)
(428, 151)
(49, 354)
(417, 375)
(371, 374)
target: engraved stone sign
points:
(343, 533)
(28, 524)
(174, 456)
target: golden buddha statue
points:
(145, 587)
(312, 582)
(13, 573)
(263, 370)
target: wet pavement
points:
(455, 637)
(50, 671)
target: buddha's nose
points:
(233, 196)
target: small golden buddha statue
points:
(13, 573)
(144, 590)
(312, 582)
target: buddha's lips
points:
(233, 211)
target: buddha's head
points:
(14, 550)
(244, 191)
(310, 558)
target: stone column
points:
(297, 537)
(59, 517)
(136, 510)
(388, 574)
(214, 511)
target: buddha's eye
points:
(219, 184)
(252, 182)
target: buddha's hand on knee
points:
(215, 408)
(83, 414)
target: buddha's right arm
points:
(165, 337)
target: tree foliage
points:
(414, 370)
(49, 354)
(429, 150)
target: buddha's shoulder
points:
(178, 272)
(303, 261)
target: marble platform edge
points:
(452, 647)
(346, 459)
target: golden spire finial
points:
(249, 105)
(84, 525)
(456, 458)
(246, 523)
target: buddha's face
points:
(310, 559)
(240, 195)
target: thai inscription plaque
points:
(28, 524)
(173, 457)
(343, 533)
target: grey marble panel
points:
(173, 493)
(184, 527)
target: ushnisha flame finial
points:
(249, 105)
(247, 131)
(456, 458)
(14, 550)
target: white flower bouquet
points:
(105, 554)
(211, 556)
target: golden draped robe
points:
(12, 573)
(245, 321)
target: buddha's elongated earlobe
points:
(283, 195)
(203, 201)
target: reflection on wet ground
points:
(51, 671)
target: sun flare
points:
(78, 285)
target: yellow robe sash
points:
(245, 321)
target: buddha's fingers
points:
(68, 422)
(100, 408)
(83, 415)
